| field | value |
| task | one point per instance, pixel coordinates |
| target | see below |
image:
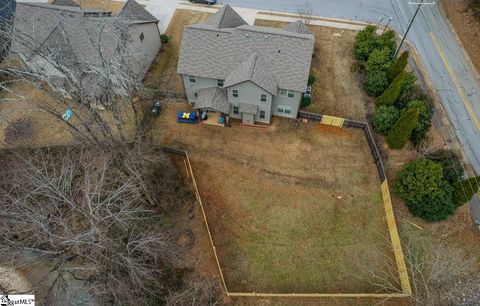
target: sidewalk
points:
(250, 15)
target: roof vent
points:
(279, 51)
(266, 36)
(218, 35)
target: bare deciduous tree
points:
(84, 211)
(104, 81)
(305, 11)
(432, 267)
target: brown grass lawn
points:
(108, 5)
(163, 72)
(337, 91)
(48, 129)
(292, 208)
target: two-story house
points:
(244, 71)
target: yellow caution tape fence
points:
(392, 227)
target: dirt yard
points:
(337, 91)
(466, 25)
(44, 128)
(294, 208)
(163, 72)
(108, 5)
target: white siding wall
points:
(294, 103)
(192, 88)
(250, 93)
(146, 50)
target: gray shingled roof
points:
(226, 17)
(214, 53)
(33, 24)
(256, 70)
(133, 10)
(248, 108)
(64, 3)
(298, 27)
(214, 98)
(66, 29)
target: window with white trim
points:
(192, 79)
(283, 92)
(262, 114)
(291, 94)
(235, 110)
(284, 109)
(196, 95)
(219, 83)
(235, 93)
(263, 98)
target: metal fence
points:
(387, 201)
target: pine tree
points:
(402, 129)
(465, 190)
(392, 93)
(398, 66)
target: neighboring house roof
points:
(214, 98)
(213, 52)
(81, 41)
(256, 70)
(64, 3)
(40, 26)
(248, 108)
(298, 27)
(226, 17)
(133, 10)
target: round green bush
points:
(375, 83)
(427, 194)
(384, 118)
(379, 60)
(311, 79)
(164, 38)
(365, 43)
(453, 170)
(306, 101)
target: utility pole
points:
(411, 22)
(379, 22)
(386, 26)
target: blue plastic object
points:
(186, 117)
(67, 114)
